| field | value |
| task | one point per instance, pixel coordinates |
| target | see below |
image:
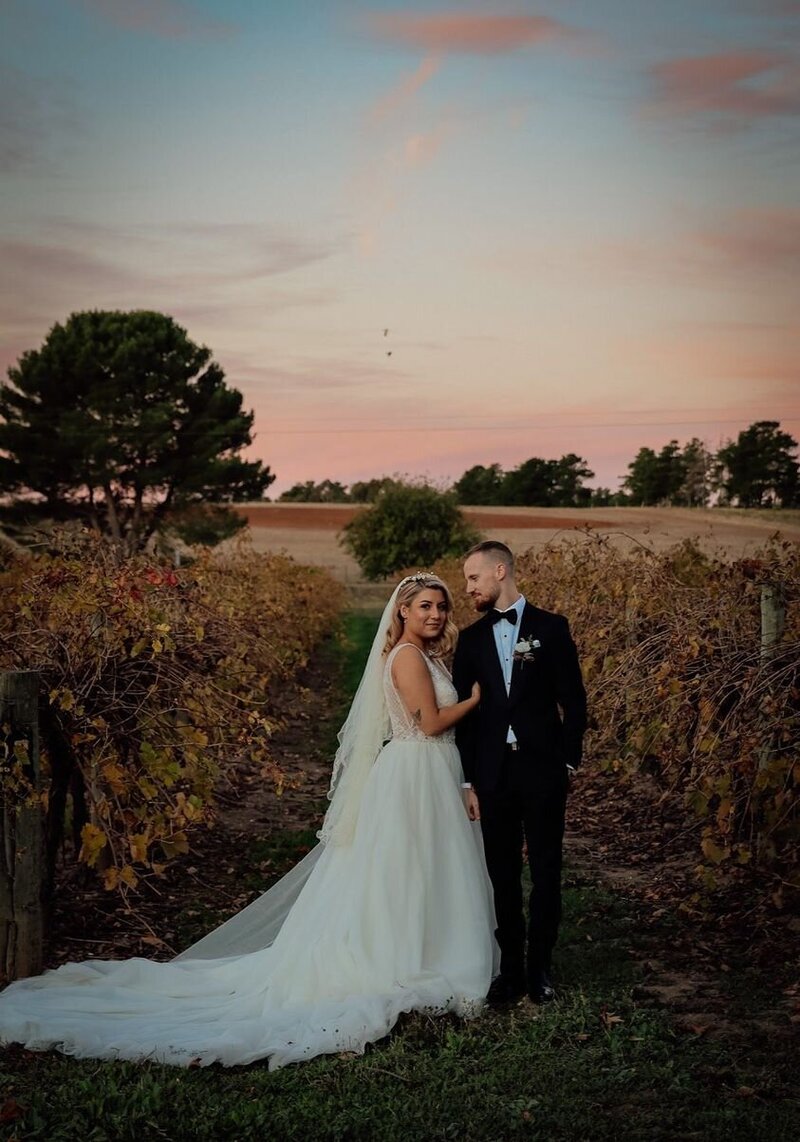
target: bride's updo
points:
(408, 589)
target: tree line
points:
(756, 470)
(122, 424)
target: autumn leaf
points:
(609, 1019)
(93, 841)
(128, 876)
(714, 852)
(138, 847)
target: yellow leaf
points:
(138, 847)
(157, 645)
(128, 876)
(66, 699)
(115, 776)
(93, 841)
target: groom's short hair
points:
(495, 550)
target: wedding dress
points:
(390, 913)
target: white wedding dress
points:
(399, 918)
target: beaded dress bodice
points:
(404, 728)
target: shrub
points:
(154, 682)
(679, 688)
(409, 525)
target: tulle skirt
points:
(399, 920)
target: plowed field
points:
(310, 532)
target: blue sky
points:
(579, 221)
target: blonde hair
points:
(408, 589)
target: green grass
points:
(595, 1065)
(591, 1066)
(359, 631)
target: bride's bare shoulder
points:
(407, 666)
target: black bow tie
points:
(510, 614)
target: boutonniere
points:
(525, 650)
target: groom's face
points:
(482, 583)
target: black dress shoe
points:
(540, 987)
(504, 990)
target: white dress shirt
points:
(506, 637)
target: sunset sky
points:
(578, 220)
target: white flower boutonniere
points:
(525, 650)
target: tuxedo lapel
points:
(491, 658)
(527, 629)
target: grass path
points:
(596, 1065)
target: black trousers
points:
(510, 815)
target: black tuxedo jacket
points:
(545, 706)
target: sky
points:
(419, 237)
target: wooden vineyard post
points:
(773, 618)
(22, 845)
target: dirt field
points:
(309, 532)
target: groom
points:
(519, 749)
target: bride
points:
(390, 912)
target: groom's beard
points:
(485, 603)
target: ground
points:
(309, 532)
(626, 836)
(670, 1024)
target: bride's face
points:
(426, 614)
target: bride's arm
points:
(415, 686)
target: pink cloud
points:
(422, 147)
(221, 279)
(735, 248)
(714, 371)
(168, 19)
(457, 32)
(408, 87)
(765, 238)
(732, 88)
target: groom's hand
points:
(472, 805)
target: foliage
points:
(204, 524)
(369, 491)
(673, 476)
(326, 492)
(118, 420)
(697, 464)
(679, 688)
(155, 680)
(332, 492)
(534, 483)
(758, 468)
(604, 497)
(480, 485)
(410, 525)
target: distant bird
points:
(389, 353)
(386, 332)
